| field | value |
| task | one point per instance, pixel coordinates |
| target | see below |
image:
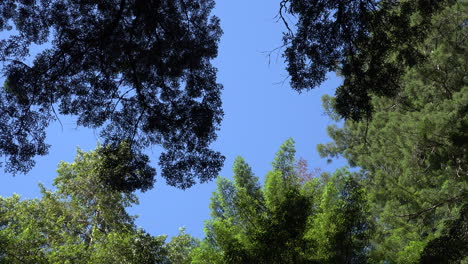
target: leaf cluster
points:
(370, 44)
(321, 220)
(139, 70)
(414, 149)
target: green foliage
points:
(129, 247)
(82, 221)
(285, 159)
(404, 98)
(206, 254)
(414, 149)
(180, 247)
(321, 220)
(341, 226)
(452, 245)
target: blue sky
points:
(261, 112)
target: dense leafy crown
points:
(82, 222)
(415, 151)
(139, 69)
(370, 43)
(320, 220)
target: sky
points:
(261, 112)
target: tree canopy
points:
(80, 222)
(414, 150)
(141, 72)
(369, 43)
(320, 220)
(138, 69)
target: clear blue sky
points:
(261, 112)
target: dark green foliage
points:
(414, 149)
(370, 43)
(452, 245)
(124, 170)
(139, 69)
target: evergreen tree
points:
(414, 149)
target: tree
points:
(179, 249)
(288, 220)
(414, 149)
(341, 227)
(452, 245)
(79, 222)
(138, 69)
(370, 44)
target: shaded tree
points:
(452, 245)
(369, 43)
(138, 69)
(414, 149)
